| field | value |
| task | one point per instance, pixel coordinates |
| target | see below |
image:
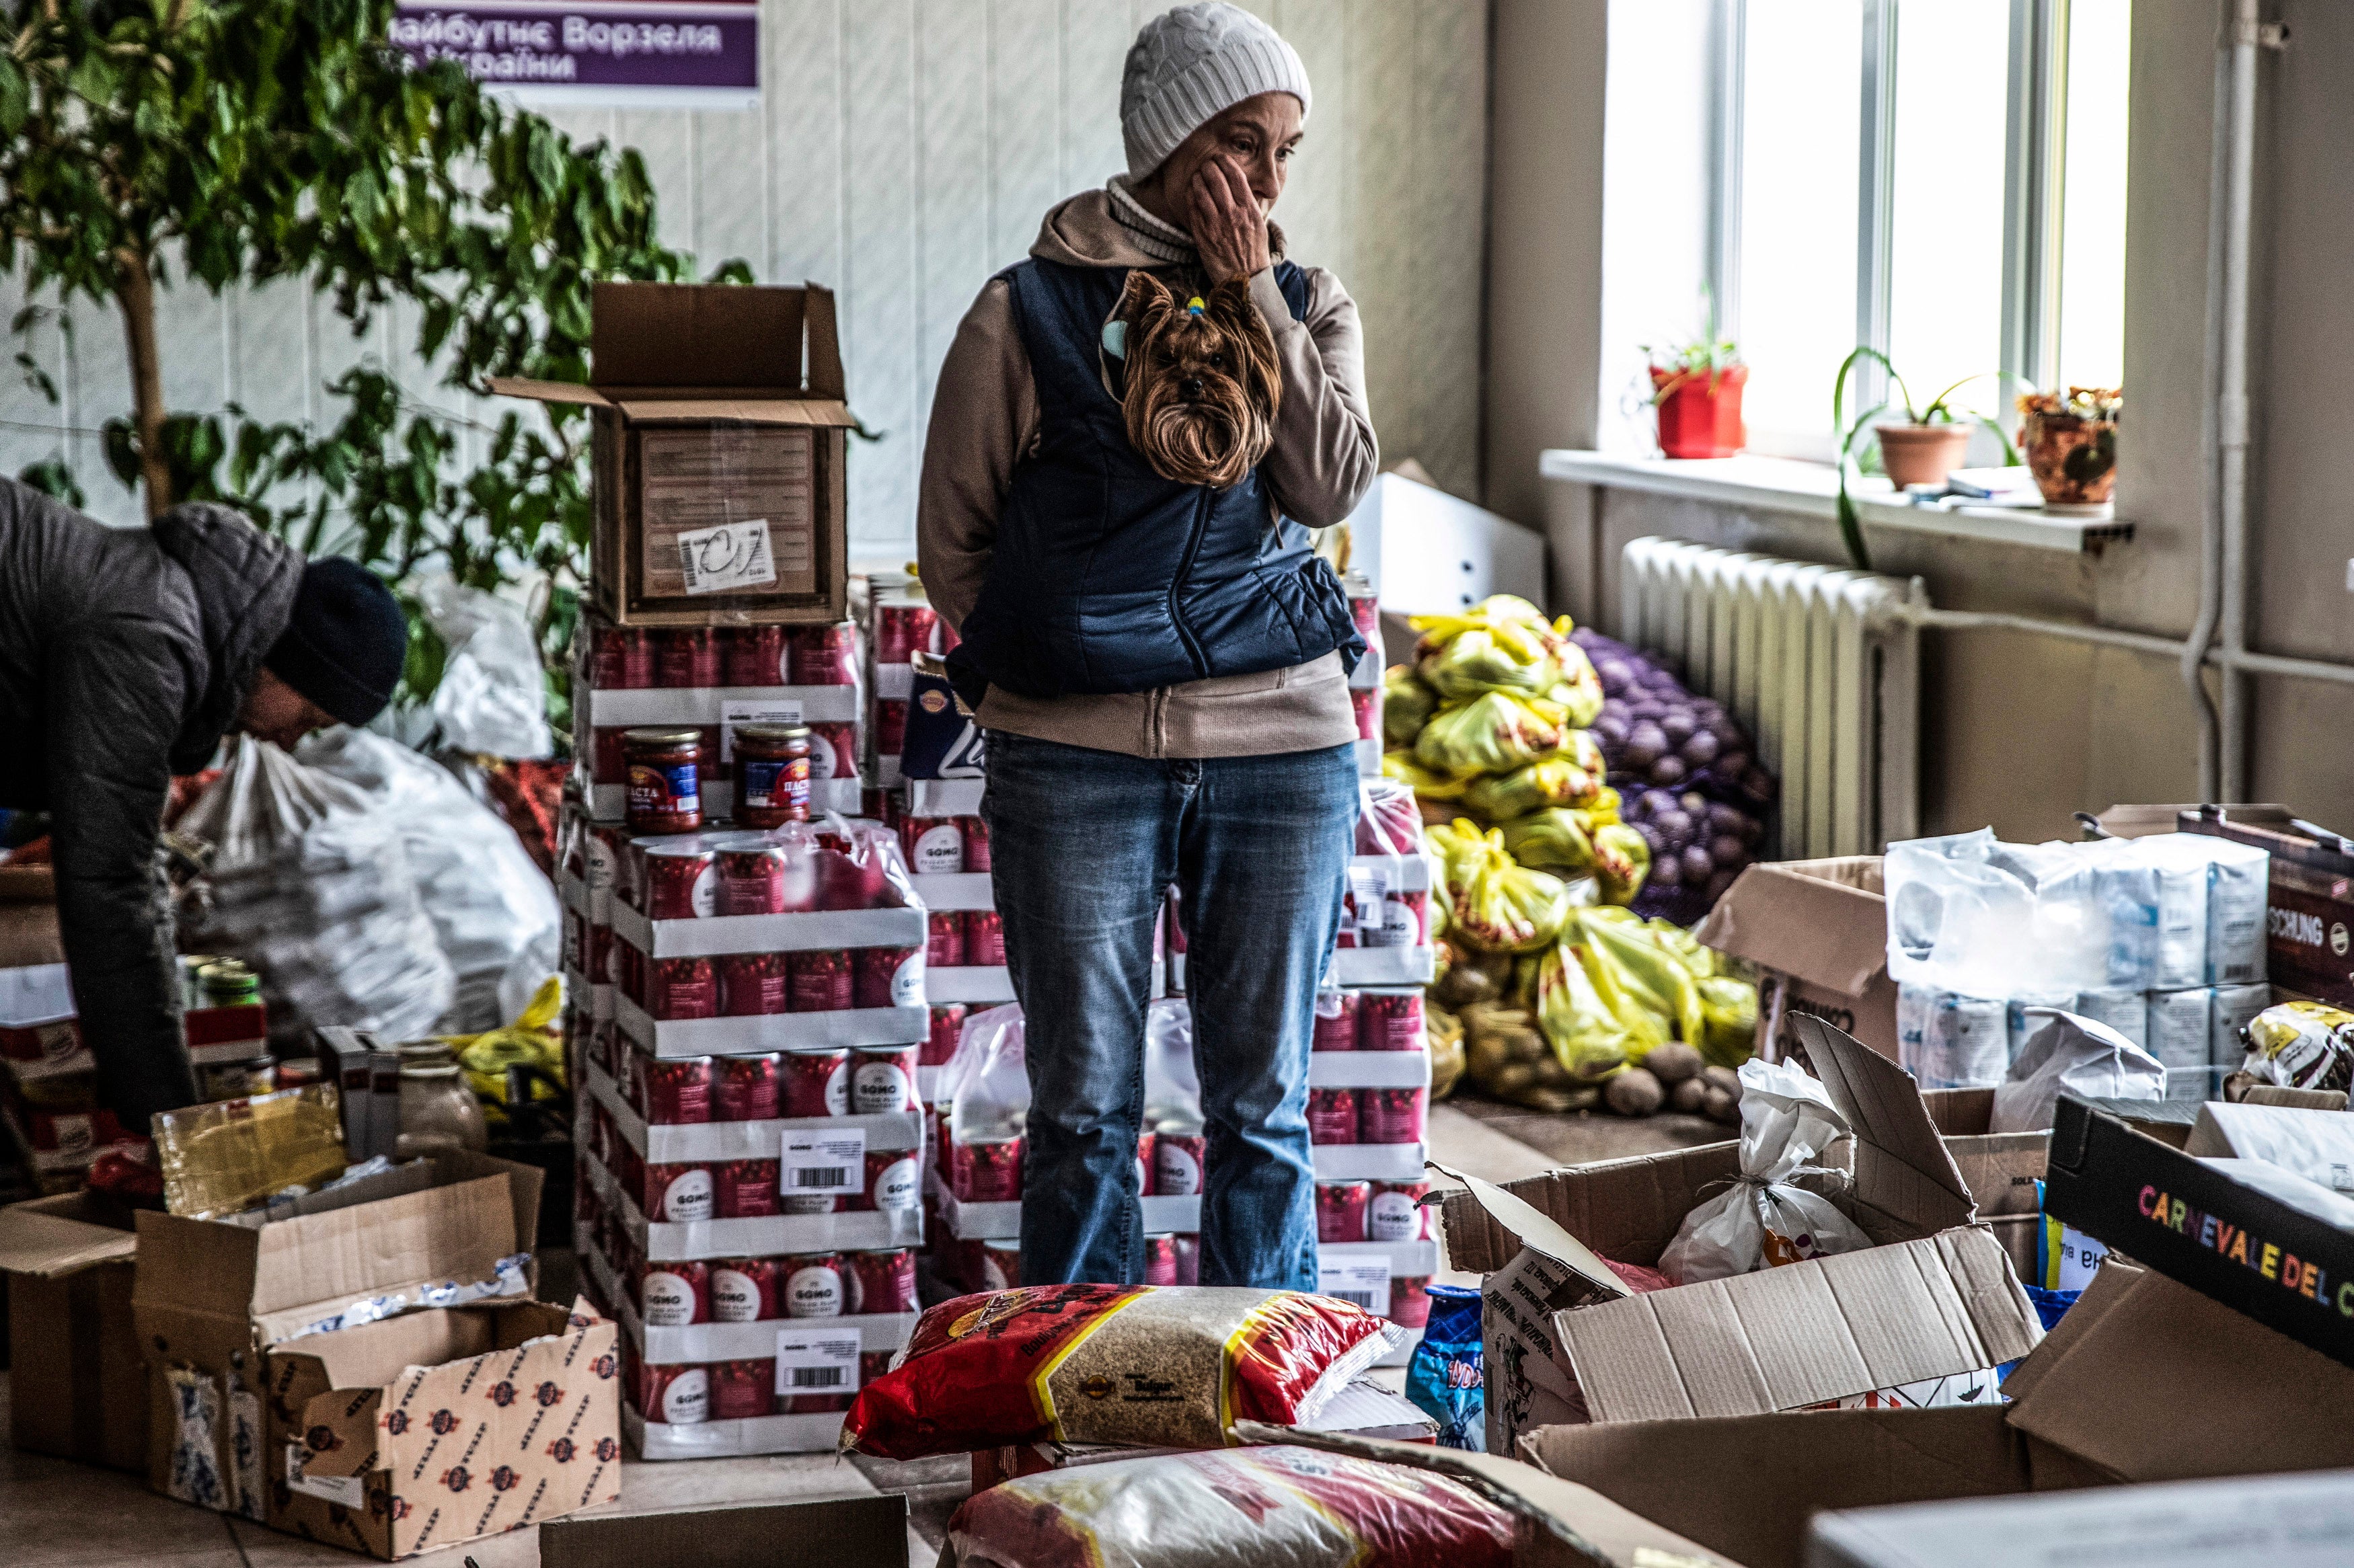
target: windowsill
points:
(1811, 489)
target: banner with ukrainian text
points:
(686, 54)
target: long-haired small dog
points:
(1200, 386)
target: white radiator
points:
(1821, 664)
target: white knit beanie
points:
(1192, 63)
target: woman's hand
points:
(1228, 229)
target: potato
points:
(1718, 1105)
(1687, 1095)
(1634, 1092)
(1724, 1078)
(1508, 1082)
(1673, 1063)
(1553, 1076)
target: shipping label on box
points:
(726, 508)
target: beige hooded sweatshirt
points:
(985, 419)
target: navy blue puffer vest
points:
(1108, 578)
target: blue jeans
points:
(1083, 845)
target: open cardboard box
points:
(1935, 1299)
(210, 1296)
(78, 1383)
(705, 421)
(1818, 928)
(426, 1429)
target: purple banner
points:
(692, 53)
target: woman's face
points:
(1258, 135)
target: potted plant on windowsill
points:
(1696, 389)
(2071, 447)
(1921, 447)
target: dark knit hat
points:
(345, 644)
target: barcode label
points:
(1364, 1298)
(729, 555)
(810, 1360)
(1363, 1284)
(834, 1161)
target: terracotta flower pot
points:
(1700, 417)
(2074, 459)
(1921, 455)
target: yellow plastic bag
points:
(1493, 902)
(535, 1039)
(1407, 706)
(1571, 777)
(1586, 1037)
(1494, 732)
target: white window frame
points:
(2034, 169)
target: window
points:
(1941, 179)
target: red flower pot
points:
(1700, 415)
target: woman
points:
(1161, 669)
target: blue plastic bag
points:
(1446, 1379)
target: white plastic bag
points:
(2080, 1056)
(493, 911)
(313, 888)
(493, 697)
(1173, 1093)
(1787, 1122)
(988, 1082)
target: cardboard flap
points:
(1627, 1209)
(457, 1232)
(1585, 1525)
(697, 334)
(1902, 1165)
(1781, 1337)
(424, 1364)
(1536, 1232)
(48, 1237)
(195, 1266)
(1821, 920)
(548, 391)
(744, 410)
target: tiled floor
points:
(55, 1514)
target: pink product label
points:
(1392, 1217)
(687, 1398)
(814, 1292)
(880, 1088)
(668, 1301)
(1176, 1168)
(734, 1298)
(688, 1197)
(940, 849)
(899, 1186)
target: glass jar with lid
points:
(665, 788)
(773, 774)
(438, 1112)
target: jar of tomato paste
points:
(665, 780)
(772, 771)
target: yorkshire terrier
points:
(1200, 382)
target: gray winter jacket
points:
(125, 653)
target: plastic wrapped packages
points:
(986, 1081)
(2153, 894)
(1427, 783)
(1030, 1365)
(1763, 1220)
(230, 1156)
(492, 698)
(2302, 1045)
(1491, 734)
(1493, 902)
(2075, 1055)
(1172, 1093)
(493, 911)
(311, 884)
(1297, 1507)
(1571, 777)
(1407, 706)
(1588, 1038)
(1950, 1041)
(1388, 822)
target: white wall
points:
(904, 151)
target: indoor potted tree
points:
(1921, 447)
(1696, 389)
(2072, 446)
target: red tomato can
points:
(1340, 1210)
(1390, 1020)
(894, 1180)
(751, 984)
(1001, 1267)
(976, 842)
(884, 1280)
(674, 1092)
(1367, 702)
(1391, 1116)
(902, 631)
(609, 756)
(1396, 1213)
(935, 845)
(748, 1089)
(746, 1190)
(875, 980)
(677, 1194)
(621, 658)
(984, 937)
(883, 1080)
(1161, 1259)
(1187, 1245)
(943, 941)
(1145, 1140)
(814, 1286)
(1333, 1115)
(1337, 1012)
(683, 988)
(833, 750)
(686, 656)
(743, 1390)
(819, 980)
(817, 1083)
(1177, 1158)
(751, 876)
(948, 1028)
(988, 1172)
(744, 1290)
(890, 725)
(1410, 1302)
(682, 881)
(673, 1294)
(757, 655)
(826, 655)
(674, 1395)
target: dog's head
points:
(1202, 384)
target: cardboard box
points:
(1935, 1298)
(2001, 1169)
(210, 1296)
(1819, 931)
(711, 448)
(78, 1383)
(426, 1429)
(840, 1532)
(2205, 1224)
